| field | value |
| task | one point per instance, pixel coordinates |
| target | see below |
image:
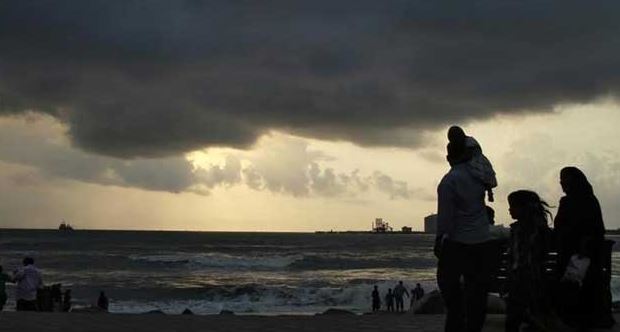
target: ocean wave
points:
(217, 260)
(257, 299)
(310, 262)
(313, 261)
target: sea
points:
(247, 273)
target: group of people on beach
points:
(28, 289)
(28, 280)
(396, 296)
(579, 296)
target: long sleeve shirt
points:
(461, 213)
(28, 280)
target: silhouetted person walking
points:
(102, 301)
(416, 295)
(461, 244)
(29, 280)
(389, 300)
(530, 239)
(580, 232)
(376, 299)
(66, 301)
(399, 292)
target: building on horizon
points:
(430, 224)
(406, 229)
(381, 226)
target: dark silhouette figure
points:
(56, 294)
(461, 244)
(376, 299)
(478, 164)
(399, 292)
(4, 278)
(580, 231)
(490, 215)
(29, 280)
(389, 300)
(530, 239)
(417, 293)
(66, 301)
(102, 302)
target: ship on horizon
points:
(64, 226)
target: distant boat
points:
(65, 226)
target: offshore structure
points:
(381, 226)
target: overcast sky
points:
(285, 115)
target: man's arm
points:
(18, 275)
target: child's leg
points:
(516, 305)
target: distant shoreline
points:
(607, 232)
(369, 232)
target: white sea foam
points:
(219, 260)
(272, 300)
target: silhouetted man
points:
(389, 300)
(416, 294)
(376, 299)
(460, 245)
(28, 279)
(66, 301)
(102, 302)
(399, 292)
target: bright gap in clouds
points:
(289, 183)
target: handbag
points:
(576, 269)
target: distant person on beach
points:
(530, 238)
(389, 300)
(461, 244)
(376, 299)
(478, 164)
(4, 278)
(399, 292)
(580, 236)
(29, 280)
(102, 302)
(66, 301)
(416, 295)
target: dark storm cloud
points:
(155, 78)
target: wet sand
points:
(13, 321)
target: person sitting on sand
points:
(478, 165)
(376, 299)
(102, 302)
(28, 280)
(389, 300)
(4, 278)
(399, 292)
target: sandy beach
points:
(14, 321)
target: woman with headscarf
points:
(580, 232)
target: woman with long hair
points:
(580, 232)
(530, 238)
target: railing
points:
(501, 266)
